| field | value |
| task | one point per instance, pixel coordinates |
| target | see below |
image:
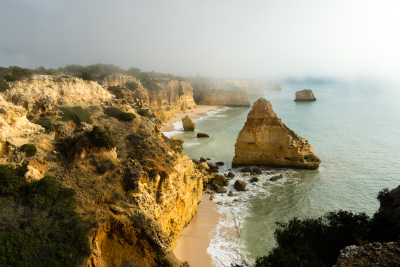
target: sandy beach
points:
(195, 238)
(199, 111)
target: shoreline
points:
(196, 113)
(196, 237)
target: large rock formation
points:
(140, 201)
(265, 140)
(188, 124)
(305, 95)
(171, 97)
(273, 86)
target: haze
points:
(241, 39)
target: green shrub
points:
(101, 138)
(317, 242)
(85, 75)
(3, 111)
(384, 198)
(46, 124)
(3, 86)
(119, 114)
(11, 78)
(38, 223)
(126, 116)
(76, 114)
(132, 86)
(11, 180)
(144, 113)
(105, 166)
(29, 149)
(148, 83)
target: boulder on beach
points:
(240, 185)
(188, 124)
(199, 135)
(276, 177)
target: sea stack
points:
(273, 86)
(305, 95)
(265, 140)
(188, 124)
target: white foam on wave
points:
(190, 144)
(226, 247)
(178, 126)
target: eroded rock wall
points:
(44, 92)
(266, 140)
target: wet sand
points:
(195, 238)
(199, 111)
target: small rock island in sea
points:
(305, 95)
(273, 86)
(188, 124)
(266, 140)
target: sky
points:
(219, 38)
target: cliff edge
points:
(266, 140)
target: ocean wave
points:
(226, 247)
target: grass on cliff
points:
(317, 242)
(3, 86)
(29, 149)
(101, 138)
(144, 113)
(76, 114)
(119, 114)
(38, 223)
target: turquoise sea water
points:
(354, 129)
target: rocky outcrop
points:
(375, 254)
(305, 95)
(273, 86)
(188, 124)
(15, 128)
(44, 92)
(266, 140)
(240, 185)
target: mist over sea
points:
(354, 129)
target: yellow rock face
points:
(44, 92)
(305, 95)
(265, 140)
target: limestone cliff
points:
(15, 128)
(226, 94)
(273, 86)
(43, 92)
(305, 95)
(266, 140)
(172, 96)
(139, 195)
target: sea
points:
(354, 127)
